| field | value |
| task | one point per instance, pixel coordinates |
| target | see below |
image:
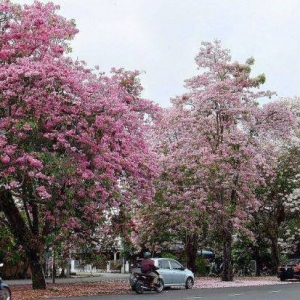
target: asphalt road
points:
(269, 292)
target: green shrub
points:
(168, 255)
(201, 266)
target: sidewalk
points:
(119, 277)
(81, 277)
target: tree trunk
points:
(24, 272)
(227, 274)
(191, 248)
(63, 273)
(275, 254)
(26, 236)
(258, 260)
(37, 271)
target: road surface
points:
(270, 292)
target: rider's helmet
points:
(147, 255)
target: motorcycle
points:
(142, 282)
(265, 271)
(215, 269)
(5, 292)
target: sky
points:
(162, 37)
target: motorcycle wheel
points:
(160, 286)
(5, 293)
(139, 288)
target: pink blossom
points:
(31, 174)
(34, 162)
(27, 127)
(41, 190)
(14, 184)
(11, 169)
(87, 174)
(5, 159)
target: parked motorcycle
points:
(142, 282)
(215, 268)
(5, 292)
(265, 271)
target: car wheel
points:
(6, 293)
(189, 283)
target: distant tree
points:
(215, 141)
(289, 184)
(169, 222)
(274, 212)
(73, 144)
(275, 225)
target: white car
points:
(172, 272)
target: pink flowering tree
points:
(217, 141)
(291, 232)
(275, 224)
(277, 219)
(73, 144)
(174, 219)
(287, 186)
(279, 210)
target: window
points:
(175, 265)
(164, 264)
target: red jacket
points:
(147, 266)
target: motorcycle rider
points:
(148, 268)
